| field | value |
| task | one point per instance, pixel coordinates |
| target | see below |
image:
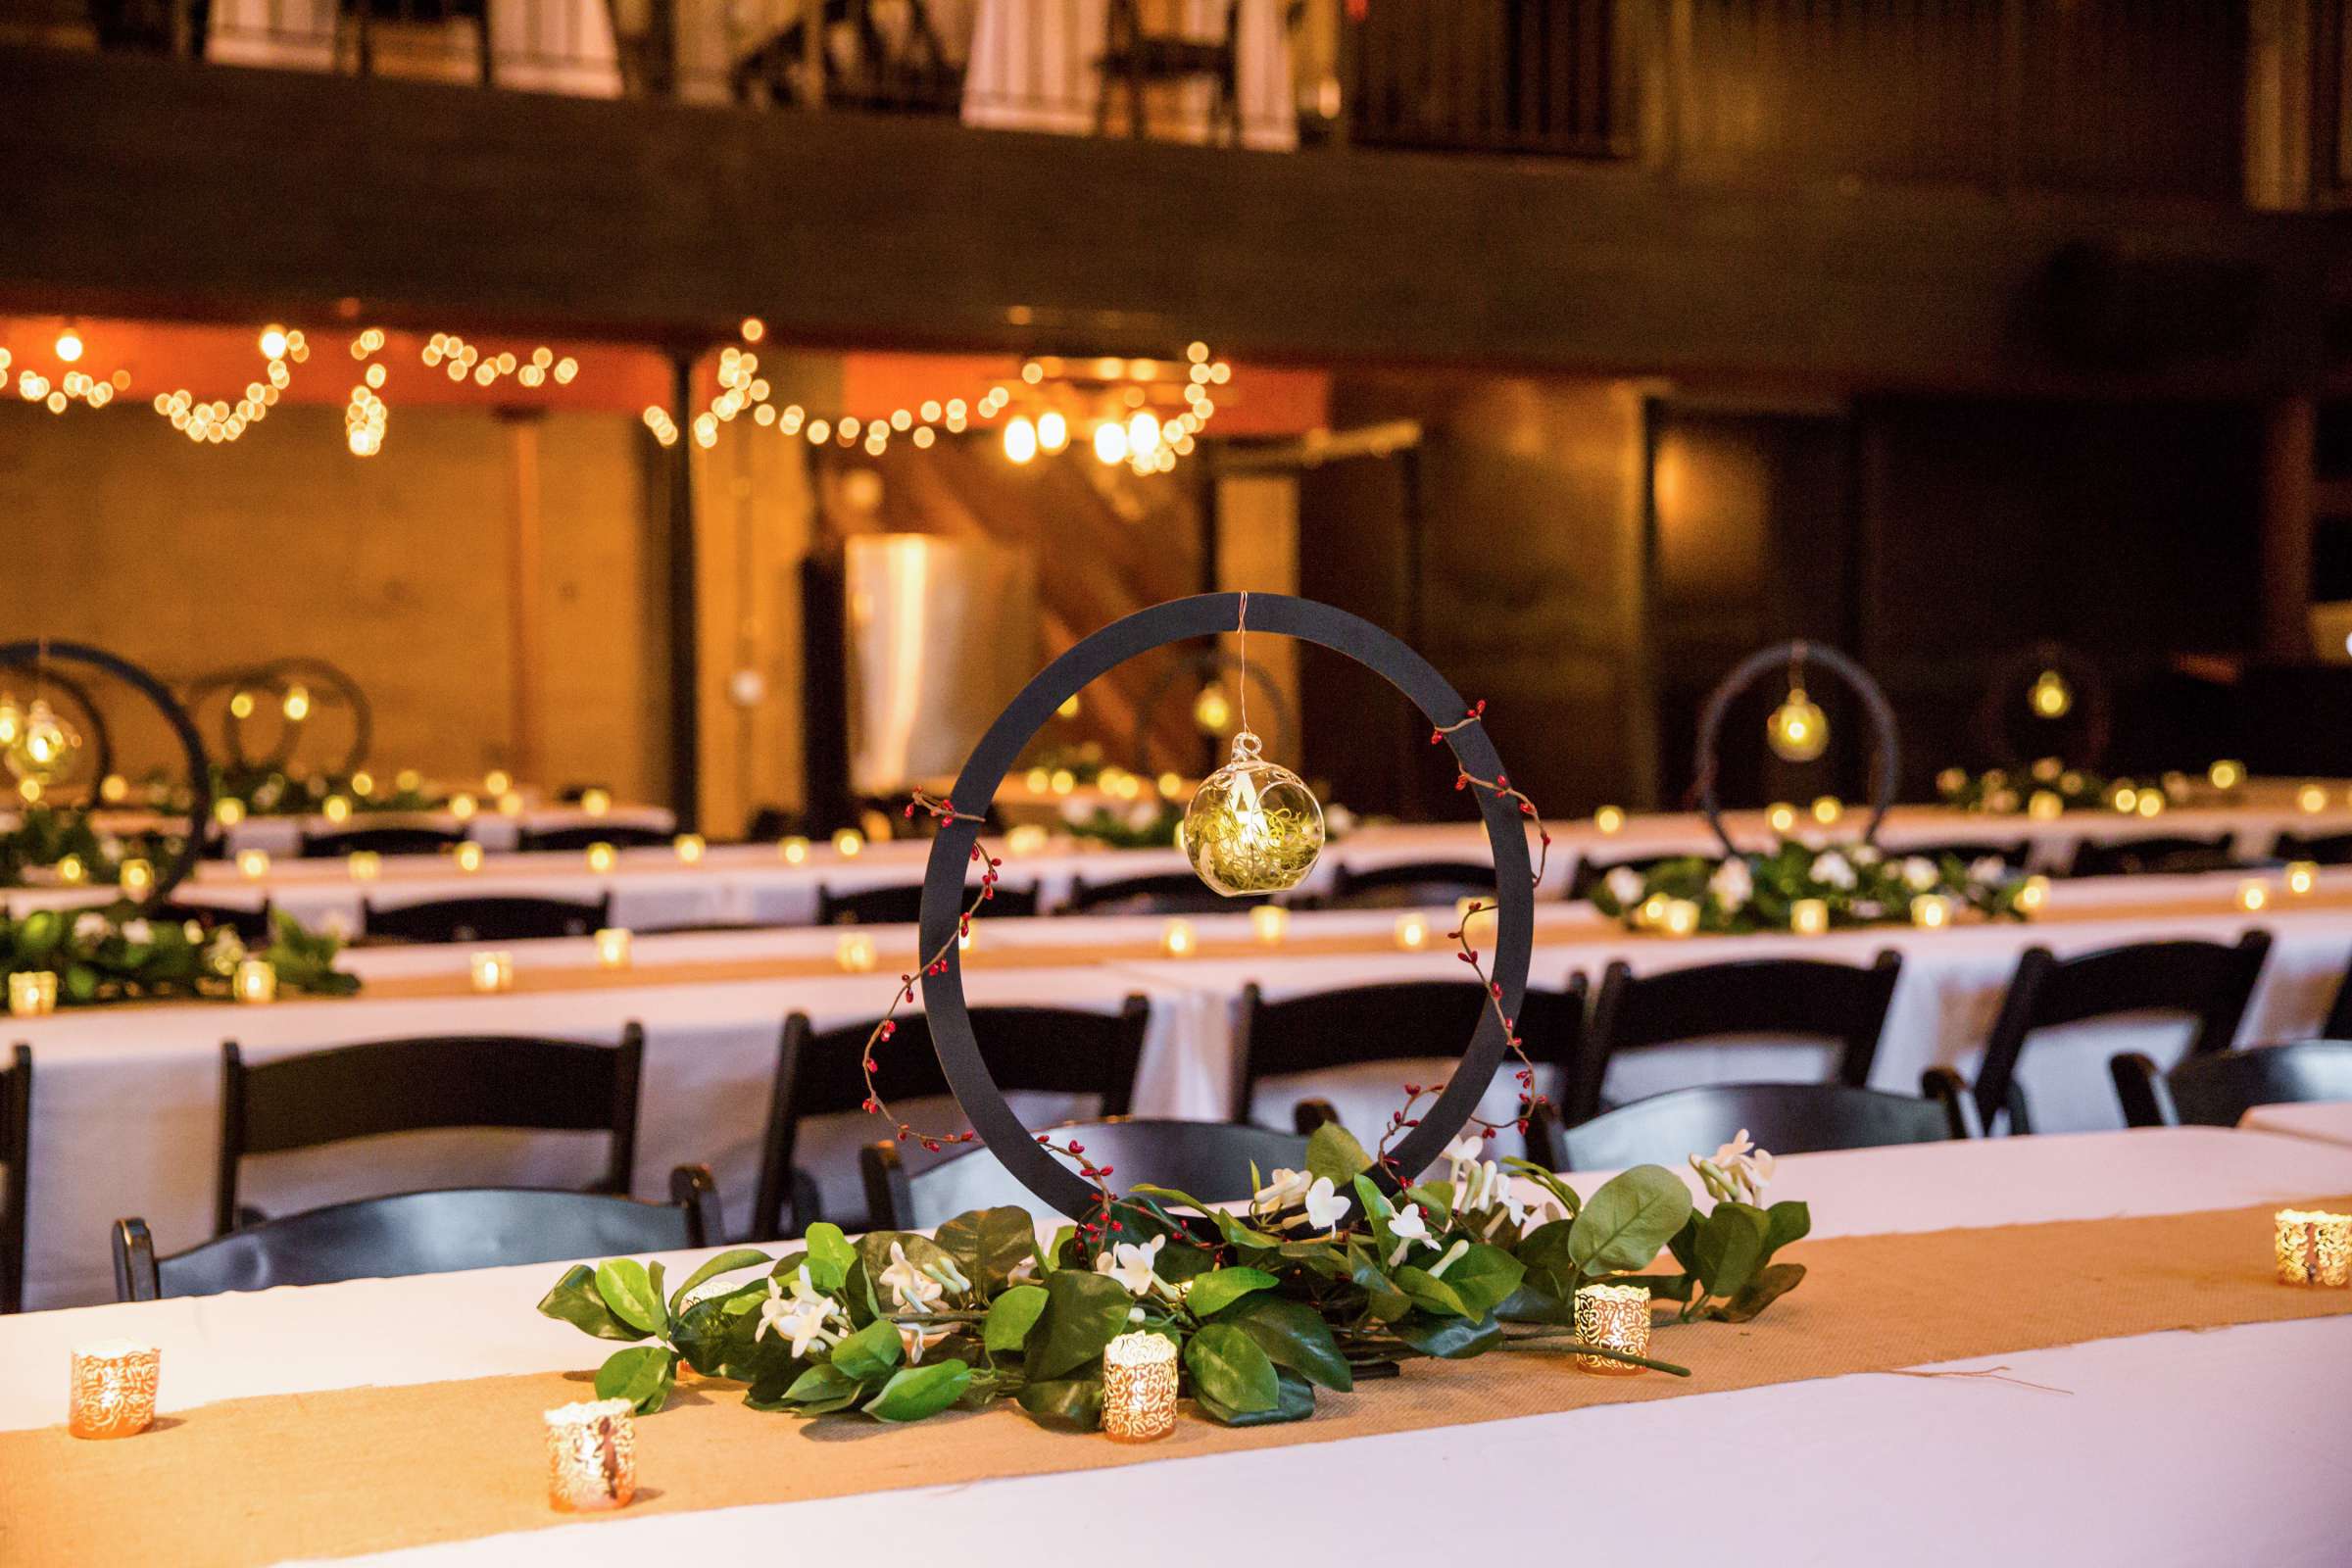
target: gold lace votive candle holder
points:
(855, 952)
(136, 878)
(690, 848)
(1810, 917)
(470, 857)
(112, 1393)
(794, 849)
(1270, 923)
(2033, 895)
(1680, 917)
(613, 945)
(848, 843)
(1613, 1317)
(1139, 1388)
(591, 1456)
(33, 993)
(2302, 877)
(1177, 941)
(493, 972)
(1932, 911)
(255, 980)
(364, 866)
(253, 864)
(600, 856)
(596, 803)
(2315, 1247)
(1412, 932)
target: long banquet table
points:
(126, 1104)
(2157, 1448)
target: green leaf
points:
(641, 1375)
(629, 1292)
(830, 1256)
(1084, 1312)
(915, 1392)
(717, 1332)
(1230, 1369)
(1214, 1292)
(1064, 1401)
(1293, 1400)
(1547, 1256)
(1548, 1180)
(1294, 1335)
(989, 1244)
(1383, 1299)
(1770, 1284)
(1430, 1293)
(1789, 1221)
(1011, 1316)
(1625, 1224)
(1730, 1243)
(1484, 1278)
(576, 1301)
(1331, 1151)
(726, 1262)
(869, 1352)
(818, 1391)
(1452, 1338)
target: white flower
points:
(1919, 873)
(1325, 1208)
(1816, 842)
(109, 846)
(1745, 1164)
(910, 1289)
(137, 931)
(1453, 1256)
(1624, 885)
(803, 1317)
(338, 925)
(1830, 870)
(916, 1340)
(1865, 854)
(1987, 868)
(1463, 1150)
(1282, 1188)
(1408, 1225)
(1732, 884)
(1868, 908)
(89, 926)
(1132, 1266)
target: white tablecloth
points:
(2087, 1468)
(535, 46)
(2329, 1121)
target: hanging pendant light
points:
(2050, 696)
(1797, 731)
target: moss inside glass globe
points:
(1253, 825)
(1797, 731)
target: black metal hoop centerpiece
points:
(277, 678)
(1886, 754)
(36, 652)
(1204, 616)
(1214, 663)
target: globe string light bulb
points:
(1797, 731)
(2050, 696)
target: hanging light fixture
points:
(2050, 696)
(1052, 431)
(1253, 826)
(1020, 439)
(1111, 442)
(297, 703)
(1212, 710)
(1798, 730)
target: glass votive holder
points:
(1412, 932)
(591, 1456)
(1139, 1388)
(854, 951)
(2302, 877)
(596, 803)
(1177, 941)
(510, 804)
(1932, 911)
(794, 849)
(1612, 1317)
(470, 857)
(1609, 819)
(2226, 775)
(1651, 912)
(33, 993)
(848, 842)
(2312, 799)
(366, 866)
(1680, 917)
(967, 934)
(335, 808)
(253, 864)
(1781, 816)
(228, 813)
(493, 972)
(112, 1390)
(1828, 809)
(612, 946)
(1476, 919)
(1270, 923)
(136, 879)
(2033, 895)
(600, 856)
(690, 848)
(2253, 895)
(2315, 1247)
(1027, 839)
(1810, 917)
(71, 871)
(253, 980)
(463, 807)
(2046, 806)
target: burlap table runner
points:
(255, 1480)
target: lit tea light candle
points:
(470, 857)
(228, 813)
(255, 980)
(33, 993)
(136, 878)
(1176, 939)
(1932, 911)
(690, 848)
(612, 946)
(1139, 1388)
(2315, 1247)
(2312, 798)
(1612, 1317)
(2253, 895)
(510, 804)
(1680, 918)
(1412, 932)
(600, 856)
(1780, 816)
(1652, 912)
(2151, 803)
(1810, 917)
(498, 781)
(854, 951)
(2046, 806)
(493, 972)
(1063, 781)
(2033, 895)
(113, 788)
(366, 866)
(591, 1456)
(362, 784)
(848, 842)
(2126, 799)
(71, 871)
(463, 807)
(2226, 775)
(111, 1392)
(965, 936)
(1270, 923)
(253, 864)
(1609, 819)
(2302, 877)
(1827, 810)
(1026, 839)
(1953, 780)
(335, 808)
(596, 803)
(795, 850)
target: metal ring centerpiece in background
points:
(1212, 663)
(93, 719)
(38, 653)
(945, 894)
(322, 685)
(2022, 681)
(1886, 751)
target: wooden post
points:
(2289, 484)
(685, 655)
(526, 640)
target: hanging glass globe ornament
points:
(1797, 731)
(2050, 696)
(1253, 825)
(42, 749)
(12, 719)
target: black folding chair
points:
(484, 920)
(1209, 1159)
(396, 1086)
(339, 842)
(1416, 885)
(2324, 848)
(2207, 981)
(1840, 1005)
(16, 1152)
(903, 904)
(419, 1232)
(1178, 893)
(1786, 1118)
(2163, 855)
(2216, 1091)
(620, 835)
(2009, 852)
(1041, 1050)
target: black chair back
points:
(396, 1085)
(2010, 852)
(2163, 855)
(1415, 885)
(421, 1233)
(1039, 1049)
(485, 919)
(1345, 1028)
(16, 1152)
(903, 905)
(1177, 893)
(1786, 1118)
(1589, 874)
(1209, 1159)
(2324, 848)
(2216, 1091)
(2208, 981)
(409, 840)
(620, 835)
(1840, 1004)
